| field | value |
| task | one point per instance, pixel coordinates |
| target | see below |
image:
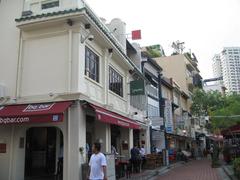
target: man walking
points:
(97, 164)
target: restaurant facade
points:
(72, 89)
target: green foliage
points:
(204, 103)
(236, 167)
(215, 159)
(215, 104)
(153, 52)
(231, 108)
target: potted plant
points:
(227, 153)
(215, 158)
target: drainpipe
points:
(19, 66)
(70, 60)
(19, 61)
(69, 143)
(108, 55)
(11, 154)
(161, 106)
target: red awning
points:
(33, 113)
(231, 130)
(107, 116)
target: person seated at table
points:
(135, 158)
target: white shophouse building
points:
(64, 83)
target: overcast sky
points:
(206, 26)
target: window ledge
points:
(109, 91)
(94, 82)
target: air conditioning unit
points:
(2, 90)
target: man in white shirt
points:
(97, 164)
(142, 151)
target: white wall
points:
(95, 90)
(9, 41)
(120, 104)
(77, 138)
(103, 132)
(45, 62)
(125, 136)
(35, 5)
(5, 137)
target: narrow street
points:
(194, 170)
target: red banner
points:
(136, 35)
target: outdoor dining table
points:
(121, 167)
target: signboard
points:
(156, 135)
(137, 87)
(157, 121)
(179, 121)
(33, 113)
(111, 175)
(38, 107)
(168, 116)
(32, 119)
(186, 121)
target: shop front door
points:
(40, 157)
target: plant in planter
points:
(215, 159)
(227, 153)
(236, 167)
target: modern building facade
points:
(216, 65)
(229, 68)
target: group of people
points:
(137, 157)
(98, 161)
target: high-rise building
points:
(229, 67)
(216, 65)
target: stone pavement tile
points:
(223, 174)
(193, 170)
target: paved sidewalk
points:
(150, 174)
(193, 170)
(228, 169)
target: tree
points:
(206, 102)
(154, 51)
(221, 109)
(229, 113)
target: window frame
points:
(51, 3)
(92, 65)
(117, 78)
